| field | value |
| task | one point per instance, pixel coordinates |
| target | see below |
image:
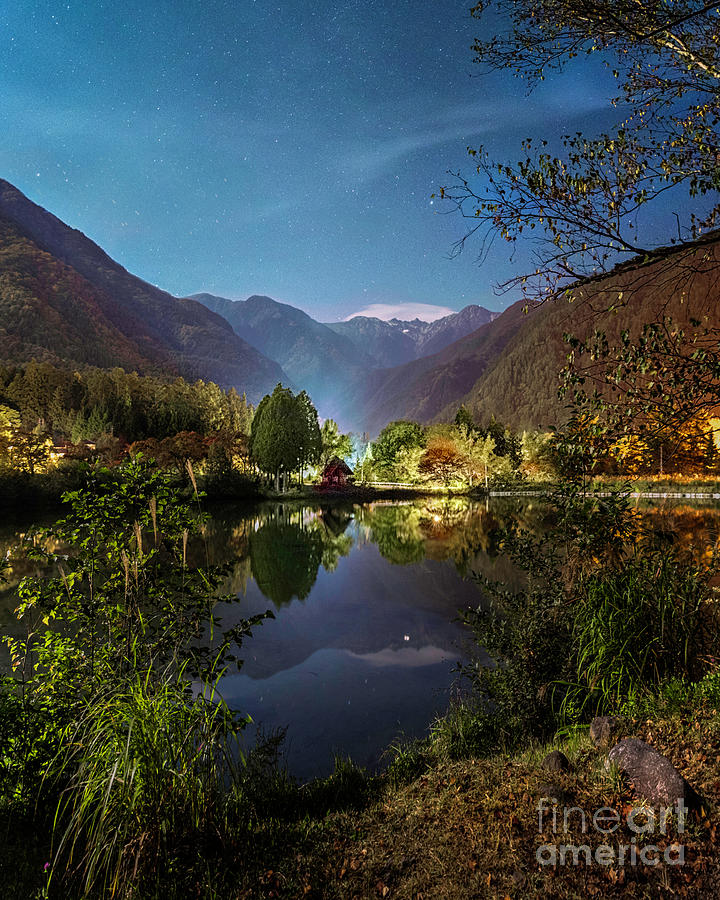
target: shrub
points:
(100, 710)
(148, 773)
(637, 626)
(606, 618)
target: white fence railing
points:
(386, 484)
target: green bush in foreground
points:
(637, 626)
(604, 622)
(106, 717)
(148, 775)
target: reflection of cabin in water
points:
(336, 473)
(335, 521)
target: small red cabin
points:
(336, 473)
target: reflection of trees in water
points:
(280, 546)
(223, 540)
(238, 577)
(283, 546)
(332, 524)
(445, 528)
(692, 529)
(289, 547)
(396, 531)
(285, 560)
(16, 562)
(334, 521)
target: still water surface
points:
(366, 635)
(366, 599)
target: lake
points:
(366, 639)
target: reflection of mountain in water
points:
(368, 580)
(366, 605)
(367, 599)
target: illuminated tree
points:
(658, 389)
(580, 446)
(29, 452)
(232, 446)
(334, 443)
(181, 449)
(308, 433)
(442, 461)
(407, 464)
(633, 454)
(284, 436)
(480, 457)
(9, 425)
(396, 436)
(536, 455)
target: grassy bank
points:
(469, 828)
(465, 827)
(360, 493)
(24, 494)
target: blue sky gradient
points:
(285, 149)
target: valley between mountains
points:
(64, 300)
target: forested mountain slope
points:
(510, 367)
(63, 298)
(317, 359)
(423, 388)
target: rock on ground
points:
(603, 729)
(653, 776)
(556, 761)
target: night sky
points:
(285, 149)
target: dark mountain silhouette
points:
(395, 342)
(62, 298)
(317, 359)
(509, 368)
(337, 362)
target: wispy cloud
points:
(370, 155)
(426, 312)
(372, 158)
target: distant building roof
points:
(337, 466)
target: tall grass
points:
(607, 615)
(635, 627)
(148, 776)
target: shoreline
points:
(633, 495)
(39, 501)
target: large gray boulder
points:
(653, 776)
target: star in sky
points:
(282, 149)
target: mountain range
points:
(396, 341)
(324, 363)
(63, 299)
(510, 368)
(332, 360)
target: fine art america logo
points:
(643, 821)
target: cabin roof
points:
(337, 466)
